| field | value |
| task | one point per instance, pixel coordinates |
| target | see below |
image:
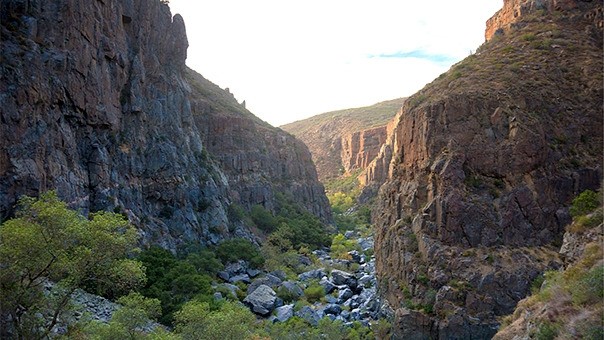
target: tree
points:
(134, 320)
(47, 242)
(196, 320)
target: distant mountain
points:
(345, 140)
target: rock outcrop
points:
(484, 163)
(512, 14)
(361, 147)
(96, 103)
(346, 140)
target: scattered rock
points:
(327, 285)
(309, 315)
(284, 313)
(316, 274)
(240, 278)
(261, 300)
(340, 277)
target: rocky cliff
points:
(95, 103)
(511, 16)
(258, 159)
(361, 147)
(484, 163)
(346, 140)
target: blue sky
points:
(293, 59)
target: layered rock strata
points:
(361, 147)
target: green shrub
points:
(239, 249)
(585, 203)
(286, 295)
(547, 331)
(590, 287)
(314, 292)
(263, 218)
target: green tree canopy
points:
(48, 241)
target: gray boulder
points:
(332, 309)
(240, 278)
(268, 280)
(253, 272)
(327, 285)
(284, 313)
(340, 277)
(309, 315)
(349, 234)
(294, 290)
(262, 300)
(312, 274)
(344, 295)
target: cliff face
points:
(345, 140)
(258, 159)
(96, 105)
(510, 16)
(484, 163)
(361, 147)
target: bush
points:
(175, 281)
(585, 203)
(239, 249)
(590, 287)
(340, 247)
(314, 292)
(547, 331)
(263, 218)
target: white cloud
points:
(291, 60)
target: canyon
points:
(470, 179)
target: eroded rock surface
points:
(483, 164)
(97, 103)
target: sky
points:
(290, 60)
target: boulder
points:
(280, 274)
(262, 300)
(316, 274)
(344, 295)
(309, 315)
(268, 280)
(231, 288)
(366, 243)
(355, 256)
(284, 313)
(367, 280)
(304, 260)
(340, 277)
(224, 275)
(327, 285)
(240, 278)
(333, 309)
(294, 290)
(253, 272)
